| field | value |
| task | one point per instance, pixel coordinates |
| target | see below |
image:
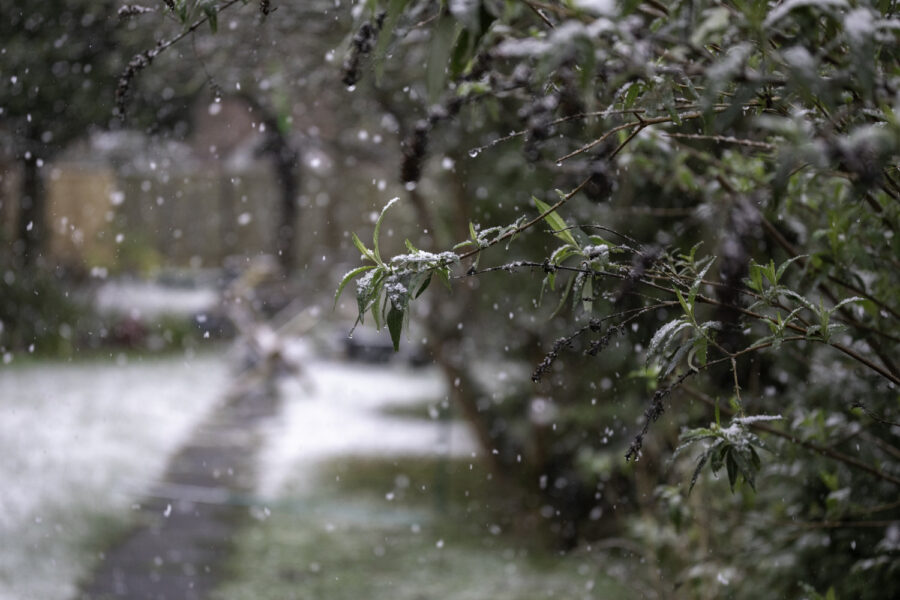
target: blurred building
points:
(126, 201)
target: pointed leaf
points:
(395, 325)
(783, 266)
(700, 463)
(348, 277)
(684, 305)
(395, 8)
(587, 295)
(731, 467)
(378, 228)
(212, 12)
(556, 222)
(362, 248)
(695, 287)
(424, 285)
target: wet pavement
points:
(188, 520)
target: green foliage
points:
(734, 447)
(768, 133)
(385, 289)
(742, 157)
(188, 11)
(39, 315)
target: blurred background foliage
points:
(741, 154)
(754, 133)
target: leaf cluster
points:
(386, 288)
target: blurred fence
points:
(183, 217)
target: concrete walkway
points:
(188, 520)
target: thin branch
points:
(873, 415)
(585, 115)
(143, 59)
(538, 12)
(789, 248)
(641, 122)
(654, 412)
(601, 228)
(722, 139)
(624, 143)
(528, 224)
(839, 524)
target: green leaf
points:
(700, 464)
(631, 95)
(363, 250)
(424, 285)
(378, 307)
(700, 349)
(444, 275)
(562, 300)
(770, 272)
(587, 295)
(847, 301)
(731, 467)
(181, 10)
(468, 13)
(560, 229)
(443, 36)
(744, 466)
(664, 335)
(464, 244)
(684, 305)
(695, 287)
(367, 296)
(348, 277)
(783, 266)
(395, 325)
(211, 10)
(560, 255)
(394, 10)
(461, 54)
(717, 459)
(378, 228)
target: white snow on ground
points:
(334, 410)
(149, 300)
(75, 441)
(80, 442)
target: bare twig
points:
(873, 415)
(538, 12)
(641, 122)
(142, 60)
(528, 224)
(585, 115)
(722, 139)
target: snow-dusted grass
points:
(336, 409)
(78, 443)
(413, 528)
(361, 503)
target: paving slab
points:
(188, 520)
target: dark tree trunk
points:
(286, 159)
(30, 231)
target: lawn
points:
(404, 528)
(79, 442)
